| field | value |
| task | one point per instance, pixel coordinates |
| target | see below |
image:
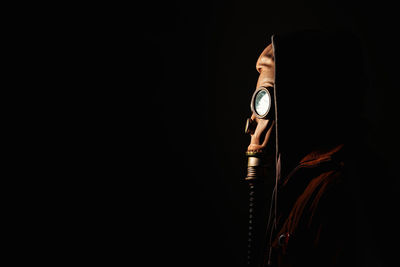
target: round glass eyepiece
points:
(261, 102)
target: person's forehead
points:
(266, 59)
(266, 67)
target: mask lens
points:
(262, 102)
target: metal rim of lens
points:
(252, 106)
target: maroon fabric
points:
(314, 226)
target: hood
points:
(319, 85)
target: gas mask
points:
(260, 153)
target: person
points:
(315, 81)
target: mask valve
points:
(256, 165)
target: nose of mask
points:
(259, 156)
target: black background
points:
(192, 77)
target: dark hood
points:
(319, 85)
